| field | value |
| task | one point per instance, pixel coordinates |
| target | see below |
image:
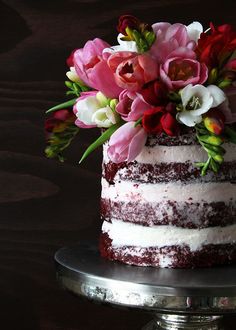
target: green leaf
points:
(214, 165)
(102, 139)
(205, 167)
(64, 105)
(199, 164)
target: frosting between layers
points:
(162, 236)
(175, 191)
(180, 154)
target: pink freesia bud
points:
(126, 143)
(132, 70)
(92, 68)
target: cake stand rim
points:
(78, 282)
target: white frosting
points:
(123, 233)
(173, 191)
(180, 154)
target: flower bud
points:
(218, 158)
(102, 99)
(214, 121)
(129, 21)
(211, 139)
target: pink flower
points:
(168, 39)
(131, 70)
(131, 105)
(92, 68)
(126, 143)
(178, 72)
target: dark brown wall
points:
(43, 204)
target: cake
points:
(162, 100)
(159, 211)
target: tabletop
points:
(44, 204)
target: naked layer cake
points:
(162, 99)
(159, 211)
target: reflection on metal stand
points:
(194, 299)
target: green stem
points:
(60, 106)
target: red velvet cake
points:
(159, 211)
(164, 99)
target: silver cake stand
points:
(178, 298)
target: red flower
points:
(127, 21)
(70, 59)
(154, 93)
(59, 121)
(214, 48)
(160, 119)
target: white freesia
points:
(72, 75)
(197, 100)
(194, 30)
(86, 108)
(124, 46)
(96, 110)
(104, 117)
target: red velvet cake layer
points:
(171, 256)
(166, 172)
(185, 215)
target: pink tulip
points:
(178, 72)
(92, 68)
(168, 39)
(131, 105)
(126, 143)
(131, 70)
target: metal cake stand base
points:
(193, 299)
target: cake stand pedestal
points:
(179, 298)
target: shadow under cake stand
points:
(178, 298)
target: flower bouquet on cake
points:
(163, 99)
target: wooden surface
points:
(43, 204)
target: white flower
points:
(96, 110)
(124, 46)
(85, 109)
(104, 117)
(72, 75)
(197, 100)
(194, 30)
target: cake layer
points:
(164, 164)
(186, 214)
(165, 172)
(169, 256)
(181, 154)
(174, 191)
(127, 234)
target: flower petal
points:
(194, 31)
(217, 94)
(186, 118)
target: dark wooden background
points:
(44, 204)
